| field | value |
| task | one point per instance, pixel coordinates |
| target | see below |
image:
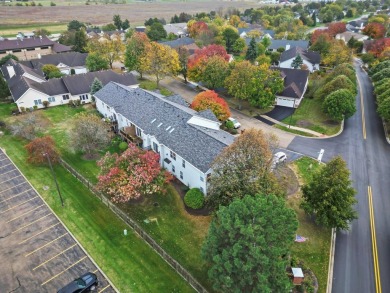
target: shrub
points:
(194, 198)
(45, 104)
(2, 123)
(35, 107)
(229, 124)
(123, 146)
(52, 4)
(22, 109)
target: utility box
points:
(298, 276)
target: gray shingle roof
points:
(25, 43)
(197, 145)
(208, 114)
(311, 56)
(60, 48)
(51, 87)
(276, 44)
(72, 59)
(81, 83)
(179, 42)
(294, 81)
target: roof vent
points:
(168, 128)
(159, 125)
(153, 120)
(171, 130)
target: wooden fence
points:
(137, 229)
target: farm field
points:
(97, 14)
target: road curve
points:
(367, 156)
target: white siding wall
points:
(287, 64)
(191, 175)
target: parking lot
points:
(37, 253)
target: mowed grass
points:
(151, 85)
(310, 115)
(315, 251)
(179, 233)
(11, 30)
(128, 261)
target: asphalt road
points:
(367, 154)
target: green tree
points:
(266, 42)
(80, 41)
(109, 27)
(183, 53)
(75, 25)
(51, 71)
(215, 72)
(297, 62)
(156, 32)
(96, 62)
(338, 83)
(230, 35)
(117, 21)
(247, 245)
(253, 51)
(239, 45)
(4, 91)
(125, 24)
(96, 86)
(340, 105)
(243, 168)
(41, 32)
(330, 197)
(6, 58)
(136, 53)
(384, 108)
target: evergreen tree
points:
(156, 32)
(247, 245)
(96, 86)
(314, 18)
(4, 91)
(297, 62)
(6, 58)
(117, 21)
(126, 24)
(330, 196)
(80, 41)
(253, 51)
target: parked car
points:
(279, 157)
(236, 124)
(85, 283)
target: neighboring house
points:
(187, 141)
(65, 62)
(268, 33)
(356, 26)
(178, 29)
(186, 42)
(287, 44)
(346, 36)
(310, 58)
(295, 85)
(25, 35)
(31, 48)
(243, 32)
(29, 89)
(140, 29)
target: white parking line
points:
(45, 245)
(13, 219)
(10, 179)
(5, 165)
(13, 186)
(62, 252)
(29, 224)
(2, 174)
(71, 266)
(20, 193)
(25, 240)
(3, 159)
(18, 205)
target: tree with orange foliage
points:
(41, 147)
(375, 30)
(317, 33)
(196, 28)
(211, 100)
(207, 52)
(335, 28)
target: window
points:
(52, 99)
(184, 164)
(37, 102)
(201, 189)
(84, 97)
(155, 147)
(201, 178)
(138, 132)
(65, 97)
(181, 175)
(173, 155)
(173, 168)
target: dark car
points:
(85, 283)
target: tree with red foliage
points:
(377, 47)
(39, 148)
(375, 30)
(206, 52)
(132, 174)
(196, 28)
(335, 28)
(211, 100)
(317, 33)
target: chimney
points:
(288, 47)
(39, 56)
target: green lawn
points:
(315, 251)
(151, 85)
(128, 261)
(178, 232)
(310, 115)
(11, 30)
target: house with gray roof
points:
(31, 48)
(287, 44)
(29, 90)
(309, 58)
(295, 84)
(185, 42)
(178, 29)
(187, 141)
(66, 62)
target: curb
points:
(385, 130)
(331, 261)
(63, 224)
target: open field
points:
(97, 14)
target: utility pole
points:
(54, 177)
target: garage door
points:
(285, 102)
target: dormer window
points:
(173, 155)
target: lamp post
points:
(54, 177)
